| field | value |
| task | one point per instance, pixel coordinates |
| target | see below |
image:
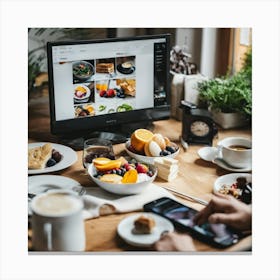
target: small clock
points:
(198, 126)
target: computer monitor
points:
(107, 88)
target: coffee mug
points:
(236, 151)
(57, 222)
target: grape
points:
(51, 162)
(56, 155)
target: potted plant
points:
(230, 98)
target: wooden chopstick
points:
(193, 198)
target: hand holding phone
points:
(182, 216)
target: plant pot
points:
(229, 120)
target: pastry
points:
(39, 156)
(154, 149)
(128, 87)
(105, 68)
(143, 225)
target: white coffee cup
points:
(57, 222)
(236, 151)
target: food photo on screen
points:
(126, 65)
(84, 93)
(83, 71)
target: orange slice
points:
(116, 163)
(139, 138)
(111, 178)
(101, 161)
(130, 176)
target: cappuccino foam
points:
(56, 204)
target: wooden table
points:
(196, 177)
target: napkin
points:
(98, 202)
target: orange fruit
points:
(139, 138)
(111, 178)
(130, 176)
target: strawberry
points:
(142, 168)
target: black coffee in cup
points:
(238, 147)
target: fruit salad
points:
(121, 171)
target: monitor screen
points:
(103, 85)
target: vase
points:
(229, 120)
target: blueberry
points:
(165, 153)
(51, 162)
(119, 172)
(170, 149)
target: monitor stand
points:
(116, 135)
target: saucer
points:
(221, 163)
(211, 154)
(208, 153)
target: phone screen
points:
(216, 233)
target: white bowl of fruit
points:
(120, 176)
(145, 146)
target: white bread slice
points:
(166, 169)
(39, 156)
(165, 161)
(167, 176)
(170, 161)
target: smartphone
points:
(218, 235)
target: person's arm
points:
(227, 210)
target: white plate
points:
(143, 240)
(122, 189)
(86, 95)
(220, 162)
(69, 157)
(145, 159)
(208, 153)
(229, 179)
(39, 183)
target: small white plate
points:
(145, 159)
(208, 153)
(39, 183)
(221, 163)
(69, 157)
(87, 92)
(126, 226)
(229, 179)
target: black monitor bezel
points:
(72, 126)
